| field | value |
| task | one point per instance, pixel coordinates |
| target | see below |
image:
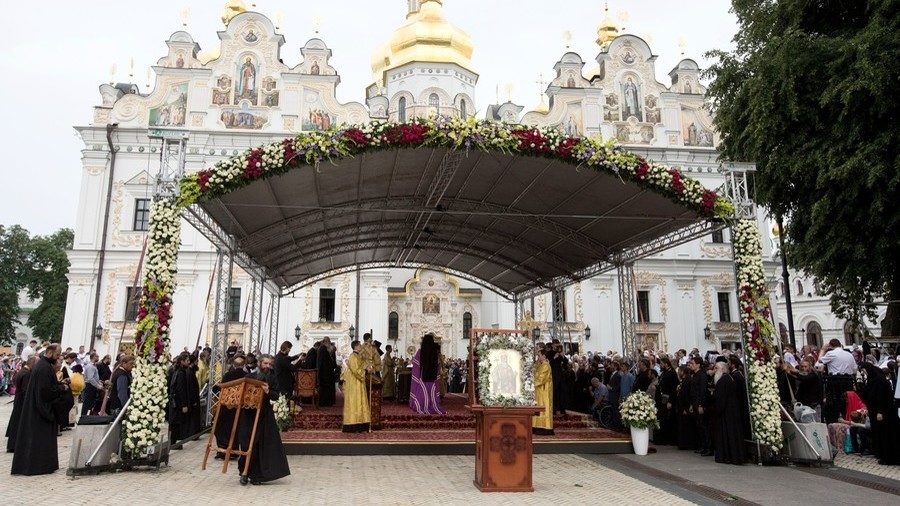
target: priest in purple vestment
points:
(425, 394)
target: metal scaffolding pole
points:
(558, 299)
(273, 324)
(627, 293)
(220, 328)
(256, 302)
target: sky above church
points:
(58, 53)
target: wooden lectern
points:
(240, 394)
(503, 444)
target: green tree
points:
(809, 95)
(14, 252)
(46, 280)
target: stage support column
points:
(224, 267)
(374, 313)
(627, 294)
(275, 309)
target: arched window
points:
(462, 109)
(393, 325)
(814, 333)
(401, 109)
(434, 103)
(799, 287)
(467, 324)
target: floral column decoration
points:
(758, 332)
(147, 412)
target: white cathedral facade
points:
(246, 92)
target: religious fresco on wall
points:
(269, 92)
(313, 114)
(693, 131)
(633, 133)
(651, 107)
(611, 108)
(631, 98)
(431, 304)
(172, 111)
(221, 93)
(243, 118)
(245, 86)
(571, 123)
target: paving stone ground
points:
(868, 465)
(338, 480)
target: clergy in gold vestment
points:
(388, 366)
(356, 401)
(543, 396)
(369, 354)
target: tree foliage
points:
(809, 95)
(39, 266)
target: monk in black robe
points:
(879, 398)
(285, 368)
(666, 393)
(226, 415)
(36, 451)
(728, 442)
(195, 420)
(558, 365)
(268, 461)
(180, 401)
(21, 383)
(326, 365)
(686, 421)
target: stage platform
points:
(318, 432)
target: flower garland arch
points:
(143, 423)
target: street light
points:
(587, 332)
(98, 332)
(351, 332)
(297, 332)
(536, 333)
(707, 333)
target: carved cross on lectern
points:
(507, 443)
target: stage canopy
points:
(515, 224)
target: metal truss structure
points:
(217, 359)
(627, 294)
(274, 310)
(385, 265)
(171, 162)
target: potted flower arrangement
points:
(639, 414)
(282, 413)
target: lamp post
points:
(536, 333)
(587, 333)
(98, 334)
(707, 333)
(297, 332)
(785, 279)
(351, 332)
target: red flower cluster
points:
(708, 203)
(677, 182)
(411, 134)
(356, 136)
(253, 169)
(203, 179)
(289, 152)
(642, 170)
(532, 140)
(566, 147)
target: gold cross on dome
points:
(567, 38)
(317, 24)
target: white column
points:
(373, 306)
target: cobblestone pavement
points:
(867, 465)
(339, 480)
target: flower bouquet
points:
(282, 412)
(639, 413)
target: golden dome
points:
(232, 9)
(425, 37)
(542, 107)
(606, 30)
(208, 55)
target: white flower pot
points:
(640, 440)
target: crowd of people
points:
(702, 400)
(53, 389)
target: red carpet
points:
(400, 424)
